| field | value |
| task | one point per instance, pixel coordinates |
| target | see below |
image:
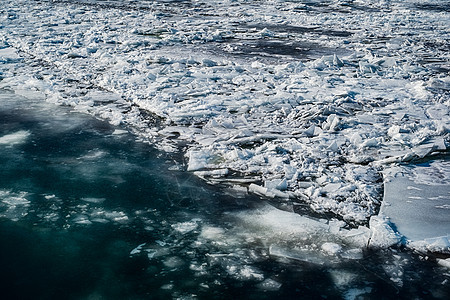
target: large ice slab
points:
(417, 203)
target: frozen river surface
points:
(220, 149)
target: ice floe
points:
(15, 138)
(416, 198)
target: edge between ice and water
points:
(207, 162)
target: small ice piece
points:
(15, 138)
(185, 227)
(331, 248)
(266, 33)
(82, 220)
(269, 285)
(119, 132)
(93, 200)
(14, 199)
(116, 216)
(168, 286)
(9, 55)
(260, 190)
(137, 250)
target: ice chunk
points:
(93, 200)
(383, 235)
(15, 138)
(14, 199)
(269, 285)
(137, 250)
(282, 223)
(185, 227)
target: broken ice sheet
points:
(415, 198)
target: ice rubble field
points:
(294, 100)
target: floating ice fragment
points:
(185, 227)
(358, 237)
(82, 219)
(93, 200)
(168, 286)
(137, 250)
(15, 138)
(332, 123)
(119, 132)
(269, 285)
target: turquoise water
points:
(86, 212)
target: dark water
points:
(76, 199)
